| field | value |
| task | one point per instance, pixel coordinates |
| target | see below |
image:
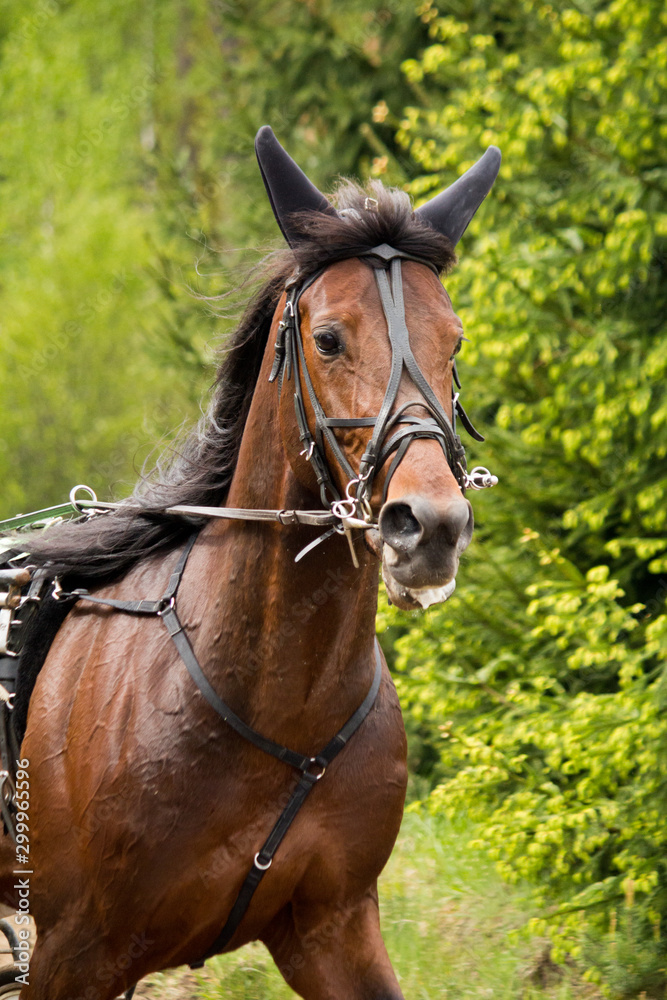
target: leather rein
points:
(393, 432)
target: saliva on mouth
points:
(424, 597)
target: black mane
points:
(199, 471)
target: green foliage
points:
(543, 681)
(128, 179)
(82, 396)
(313, 71)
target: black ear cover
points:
(287, 186)
(451, 211)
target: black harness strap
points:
(311, 768)
(305, 785)
(439, 425)
(182, 643)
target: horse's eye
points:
(327, 342)
(455, 351)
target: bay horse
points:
(147, 809)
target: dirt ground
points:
(177, 985)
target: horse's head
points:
(365, 358)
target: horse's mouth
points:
(419, 598)
(400, 592)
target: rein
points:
(393, 432)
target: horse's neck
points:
(283, 636)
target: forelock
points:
(365, 218)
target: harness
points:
(394, 430)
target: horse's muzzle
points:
(421, 544)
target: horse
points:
(149, 810)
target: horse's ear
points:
(451, 211)
(287, 186)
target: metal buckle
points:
(288, 516)
(6, 696)
(262, 867)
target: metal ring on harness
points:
(73, 498)
(478, 478)
(344, 508)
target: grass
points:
(451, 926)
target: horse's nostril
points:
(414, 521)
(399, 527)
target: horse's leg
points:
(334, 953)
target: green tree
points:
(542, 683)
(128, 180)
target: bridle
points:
(394, 430)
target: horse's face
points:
(425, 522)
